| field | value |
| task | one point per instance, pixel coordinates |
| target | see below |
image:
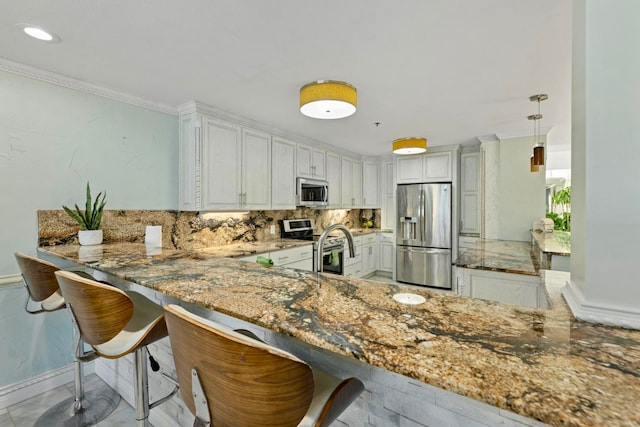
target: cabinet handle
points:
(353, 201)
(240, 199)
(364, 201)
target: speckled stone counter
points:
(556, 243)
(541, 364)
(501, 255)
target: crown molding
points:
(488, 138)
(522, 133)
(73, 83)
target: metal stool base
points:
(96, 406)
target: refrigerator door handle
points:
(422, 209)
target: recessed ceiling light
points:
(39, 33)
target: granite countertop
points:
(556, 243)
(238, 250)
(541, 364)
(501, 255)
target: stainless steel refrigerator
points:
(423, 242)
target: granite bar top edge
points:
(494, 356)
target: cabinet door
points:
(221, 165)
(370, 193)
(283, 174)
(437, 167)
(310, 162)
(356, 183)
(347, 189)
(470, 193)
(189, 163)
(369, 259)
(409, 169)
(303, 161)
(386, 257)
(256, 170)
(334, 179)
(318, 164)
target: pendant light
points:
(538, 149)
(411, 145)
(328, 99)
(534, 168)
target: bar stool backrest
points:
(38, 275)
(246, 382)
(101, 311)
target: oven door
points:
(333, 261)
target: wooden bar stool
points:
(85, 408)
(116, 323)
(230, 379)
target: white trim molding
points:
(11, 279)
(73, 83)
(582, 310)
(15, 393)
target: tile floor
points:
(25, 413)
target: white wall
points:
(522, 193)
(605, 200)
(52, 141)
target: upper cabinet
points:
(370, 193)
(470, 193)
(311, 162)
(429, 167)
(351, 183)
(388, 210)
(334, 178)
(283, 174)
(222, 165)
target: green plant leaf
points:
(91, 218)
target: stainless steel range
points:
(332, 248)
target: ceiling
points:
(447, 70)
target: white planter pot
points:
(90, 237)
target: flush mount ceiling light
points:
(411, 145)
(39, 33)
(538, 149)
(328, 99)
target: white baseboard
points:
(15, 393)
(582, 310)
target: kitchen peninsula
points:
(540, 364)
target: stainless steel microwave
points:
(312, 192)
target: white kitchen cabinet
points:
(386, 250)
(256, 170)
(351, 183)
(223, 166)
(388, 208)
(429, 167)
(516, 289)
(283, 174)
(369, 254)
(353, 266)
(299, 257)
(470, 193)
(370, 192)
(334, 178)
(310, 162)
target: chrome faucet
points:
(323, 236)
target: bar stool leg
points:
(81, 409)
(141, 388)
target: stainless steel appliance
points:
(424, 234)
(312, 192)
(332, 247)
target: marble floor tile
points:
(27, 412)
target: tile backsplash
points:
(191, 230)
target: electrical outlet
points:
(273, 229)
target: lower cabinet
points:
(353, 266)
(508, 288)
(385, 262)
(300, 257)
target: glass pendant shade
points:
(328, 99)
(538, 155)
(534, 168)
(409, 145)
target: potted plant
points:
(89, 219)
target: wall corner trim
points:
(611, 316)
